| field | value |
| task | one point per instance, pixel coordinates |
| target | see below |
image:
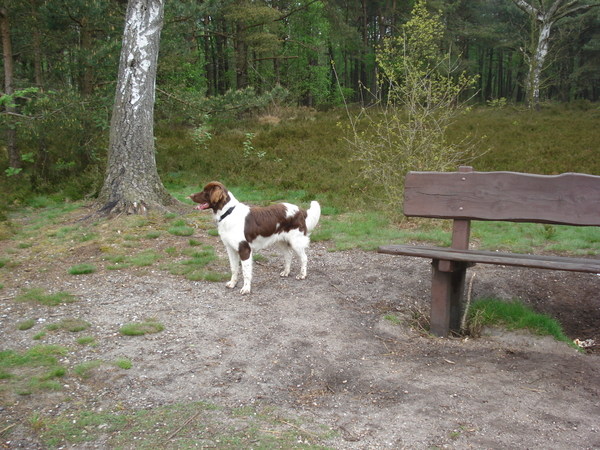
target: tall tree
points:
(14, 157)
(544, 15)
(132, 184)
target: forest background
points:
(273, 81)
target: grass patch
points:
(172, 251)
(86, 340)
(194, 425)
(84, 369)
(146, 258)
(181, 231)
(38, 295)
(33, 370)
(514, 315)
(82, 269)
(141, 328)
(369, 231)
(195, 268)
(118, 262)
(123, 363)
(72, 325)
(533, 237)
(392, 318)
(26, 324)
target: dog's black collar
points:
(226, 213)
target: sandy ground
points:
(324, 350)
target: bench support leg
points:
(447, 288)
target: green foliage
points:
(38, 295)
(141, 328)
(146, 258)
(515, 315)
(81, 269)
(63, 143)
(179, 228)
(31, 371)
(73, 325)
(26, 324)
(123, 363)
(247, 427)
(195, 268)
(559, 139)
(529, 238)
(86, 340)
(303, 151)
(198, 107)
(408, 130)
(84, 369)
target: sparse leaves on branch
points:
(406, 130)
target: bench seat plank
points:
(486, 257)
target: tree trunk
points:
(241, 50)
(544, 16)
(37, 60)
(537, 65)
(87, 77)
(14, 157)
(132, 184)
(209, 65)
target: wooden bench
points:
(567, 199)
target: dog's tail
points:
(312, 215)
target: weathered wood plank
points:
(485, 257)
(568, 199)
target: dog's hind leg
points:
(301, 252)
(303, 262)
(287, 255)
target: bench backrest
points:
(567, 199)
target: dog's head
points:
(214, 196)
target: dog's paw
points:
(245, 290)
(231, 284)
(285, 273)
(301, 276)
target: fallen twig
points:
(4, 430)
(181, 427)
(534, 390)
(300, 429)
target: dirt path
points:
(322, 349)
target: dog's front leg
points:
(234, 264)
(245, 253)
(247, 272)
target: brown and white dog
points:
(245, 230)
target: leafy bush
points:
(408, 129)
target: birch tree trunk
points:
(132, 184)
(544, 15)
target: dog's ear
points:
(216, 194)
